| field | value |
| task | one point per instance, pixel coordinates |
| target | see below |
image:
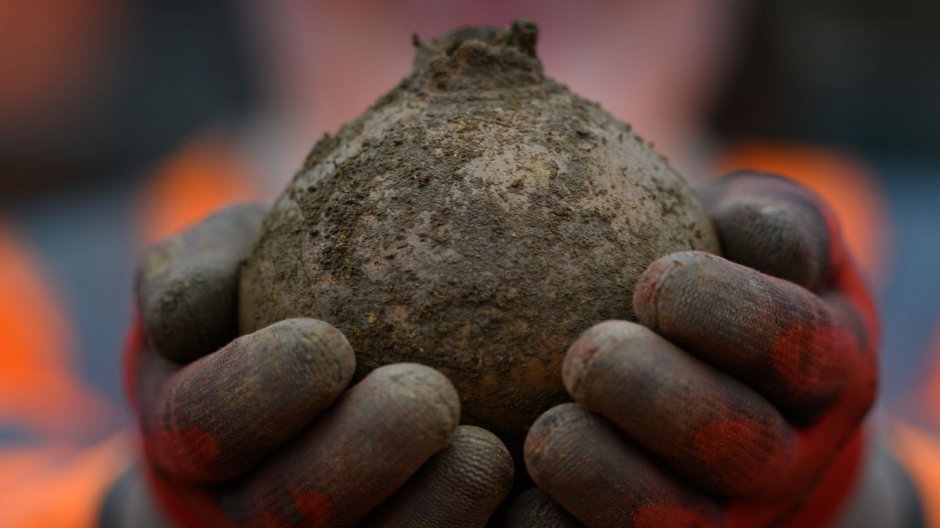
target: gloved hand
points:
(737, 400)
(263, 430)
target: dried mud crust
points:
(476, 219)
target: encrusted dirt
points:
(476, 219)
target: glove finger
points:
(780, 228)
(535, 509)
(712, 430)
(586, 465)
(775, 226)
(460, 487)
(187, 285)
(777, 337)
(820, 438)
(356, 455)
(218, 416)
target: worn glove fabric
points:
(268, 429)
(736, 399)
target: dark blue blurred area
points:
(176, 66)
(910, 300)
(862, 73)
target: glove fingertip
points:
(774, 225)
(187, 285)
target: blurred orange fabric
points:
(53, 480)
(37, 386)
(205, 175)
(55, 487)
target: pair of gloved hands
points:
(735, 401)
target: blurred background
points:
(123, 121)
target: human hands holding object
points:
(267, 430)
(737, 400)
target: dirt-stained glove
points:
(263, 430)
(737, 400)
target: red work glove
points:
(737, 400)
(264, 430)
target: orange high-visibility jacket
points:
(58, 476)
